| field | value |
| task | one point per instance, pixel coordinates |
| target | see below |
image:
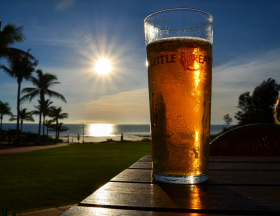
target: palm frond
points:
(23, 115)
(63, 115)
(20, 67)
(9, 52)
(28, 90)
(53, 84)
(11, 34)
(5, 109)
(30, 119)
(30, 96)
(7, 71)
(55, 94)
(13, 118)
(39, 72)
(42, 83)
(48, 122)
(35, 81)
(60, 127)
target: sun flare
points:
(101, 130)
(103, 66)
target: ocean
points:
(100, 130)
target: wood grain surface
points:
(101, 211)
(236, 186)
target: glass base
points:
(179, 179)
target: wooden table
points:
(236, 186)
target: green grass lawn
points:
(63, 176)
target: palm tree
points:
(4, 110)
(42, 84)
(23, 116)
(37, 111)
(58, 128)
(57, 114)
(10, 35)
(44, 108)
(48, 124)
(20, 67)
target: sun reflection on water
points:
(101, 130)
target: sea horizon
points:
(99, 129)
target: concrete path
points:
(49, 212)
(30, 149)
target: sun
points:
(103, 66)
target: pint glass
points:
(179, 61)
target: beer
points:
(180, 75)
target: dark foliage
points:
(258, 107)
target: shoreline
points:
(94, 139)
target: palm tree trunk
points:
(42, 98)
(56, 134)
(43, 125)
(1, 121)
(18, 103)
(39, 129)
(21, 124)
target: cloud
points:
(56, 42)
(124, 107)
(238, 76)
(63, 4)
(80, 83)
(122, 97)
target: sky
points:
(67, 37)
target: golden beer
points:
(180, 77)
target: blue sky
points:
(67, 37)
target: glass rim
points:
(179, 8)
